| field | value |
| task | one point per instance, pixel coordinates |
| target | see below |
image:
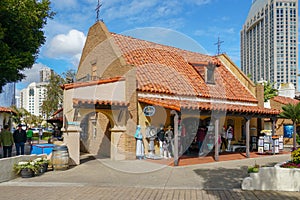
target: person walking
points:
(20, 139)
(29, 135)
(7, 141)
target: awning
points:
(178, 105)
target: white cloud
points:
(75, 60)
(199, 2)
(215, 31)
(33, 74)
(65, 4)
(167, 37)
(65, 46)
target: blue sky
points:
(198, 23)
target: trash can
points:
(60, 157)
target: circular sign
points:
(149, 111)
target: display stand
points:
(275, 142)
(270, 144)
(253, 143)
(261, 145)
(280, 140)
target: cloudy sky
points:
(190, 24)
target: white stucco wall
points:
(109, 91)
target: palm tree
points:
(292, 112)
(269, 91)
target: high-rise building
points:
(45, 74)
(7, 97)
(32, 97)
(269, 42)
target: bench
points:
(241, 147)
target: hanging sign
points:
(149, 111)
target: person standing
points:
(29, 135)
(7, 141)
(41, 133)
(200, 136)
(20, 139)
(223, 139)
(229, 135)
(170, 141)
(161, 139)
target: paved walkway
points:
(141, 179)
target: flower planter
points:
(273, 178)
(26, 173)
(44, 168)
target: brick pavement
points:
(131, 193)
(106, 179)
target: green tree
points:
(20, 114)
(70, 76)
(54, 96)
(269, 91)
(292, 112)
(21, 35)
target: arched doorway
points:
(95, 135)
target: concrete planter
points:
(273, 178)
(6, 170)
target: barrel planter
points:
(60, 158)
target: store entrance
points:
(194, 136)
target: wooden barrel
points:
(60, 157)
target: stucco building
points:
(121, 78)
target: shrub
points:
(25, 165)
(253, 169)
(296, 156)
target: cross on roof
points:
(219, 46)
(98, 10)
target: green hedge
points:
(45, 134)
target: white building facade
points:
(32, 97)
(269, 42)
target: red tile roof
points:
(193, 105)
(285, 100)
(8, 110)
(90, 83)
(78, 102)
(169, 70)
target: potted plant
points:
(42, 164)
(25, 168)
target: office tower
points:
(45, 74)
(7, 97)
(269, 42)
(32, 97)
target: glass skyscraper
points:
(269, 42)
(7, 97)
